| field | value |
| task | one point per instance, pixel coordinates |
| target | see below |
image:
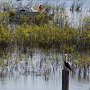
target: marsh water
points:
(37, 69)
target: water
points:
(75, 18)
(68, 3)
(19, 79)
(32, 76)
(37, 83)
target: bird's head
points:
(66, 56)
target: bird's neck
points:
(66, 59)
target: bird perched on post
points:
(67, 64)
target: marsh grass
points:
(45, 36)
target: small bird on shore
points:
(67, 64)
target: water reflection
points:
(39, 70)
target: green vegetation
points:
(42, 33)
(46, 36)
(5, 36)
(22, 17)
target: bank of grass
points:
(46, 36)
(5, 36)
(68, 40)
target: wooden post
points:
(65, 79)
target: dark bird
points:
(67, 64)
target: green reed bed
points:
(46, 36)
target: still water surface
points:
(19, 80)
